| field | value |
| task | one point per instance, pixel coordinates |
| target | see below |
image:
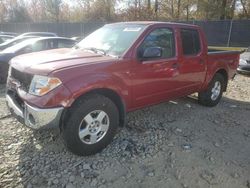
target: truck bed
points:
(218, 57)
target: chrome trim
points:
(33, 117)
(12, 105)
(243, 71)
(93, 127)
(42, 117)
(216, 90)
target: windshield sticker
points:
(134, 29)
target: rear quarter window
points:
(190, 41)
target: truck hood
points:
(48, 61)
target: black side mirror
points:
(152, 52)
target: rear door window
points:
(190, 41)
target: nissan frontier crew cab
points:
(86, 91)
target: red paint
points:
(138, 83)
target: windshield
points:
(112, 39)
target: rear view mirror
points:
(152, 52)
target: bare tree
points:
(106, 10)
(232, 9)
(149, 5)
(3, 11)
(172, 8)
(244, 6)
(178, 9)
(223, 9)
(53, 9)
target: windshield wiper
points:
(96, 50)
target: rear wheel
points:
(91, 125)
(213, 94)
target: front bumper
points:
(33, 117)
(244, 69)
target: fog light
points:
(32, 119)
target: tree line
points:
(118, 10)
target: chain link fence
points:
(62, 29)
(232, 33)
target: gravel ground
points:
(174, 144)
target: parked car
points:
(8, 33)
(4, 38)
(25, 36)
(28, 46)
(86, 91)
(77, 38)
(244, 65)
(40, 34)
(14, 41)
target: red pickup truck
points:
(86, 91)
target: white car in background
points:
(244, 65)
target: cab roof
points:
(149, 23)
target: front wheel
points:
(91, 125)
(213, 94)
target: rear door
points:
(193, 60)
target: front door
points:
(156, 79)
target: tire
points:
(84, 130)
(212, 96)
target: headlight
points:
(40, 85)
(243, 62)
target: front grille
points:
(13, 94)
(245, 68)
(24, 78)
